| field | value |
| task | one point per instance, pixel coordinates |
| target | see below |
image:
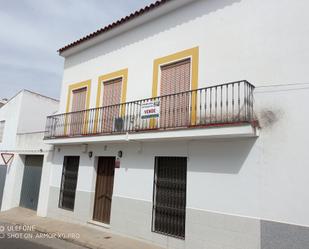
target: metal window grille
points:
(169, 198)
(68, 182)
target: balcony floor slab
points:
(236, 131)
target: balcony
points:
(226, 105)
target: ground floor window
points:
(68, 182)
(169, 196)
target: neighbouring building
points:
(23, 152)
(2, 102)
(185, 124)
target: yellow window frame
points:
(71, 88)
(123, 73)
(193, 54)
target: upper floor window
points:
(2, 123)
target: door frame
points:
(95, 187)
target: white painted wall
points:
(265, 43)
(13, 182)
(34, 110)
(44, 187)
(262, 177)
(32, 142)
(25, 113)
(10, 113)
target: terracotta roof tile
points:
(115, 24)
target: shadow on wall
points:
(186, 14)
(221, 157)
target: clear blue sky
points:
(31, 32)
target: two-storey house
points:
(184, 124)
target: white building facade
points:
(23, 120)
(159, 136)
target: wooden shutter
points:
(104, 189)
(79, 99)
(175, 78)
(78, 104)
(112, 92)
(111, 97)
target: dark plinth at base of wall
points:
(204, 229)
(275, 235)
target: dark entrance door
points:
(31, 182)
(104, 189)
(2, 181)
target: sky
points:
(31, 32)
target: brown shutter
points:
(111, 97)
(79, 99)
(175, 78)
(112, 92)
(78, 104)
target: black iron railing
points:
(230, 103)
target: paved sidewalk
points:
(89, 237)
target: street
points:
(25, 237)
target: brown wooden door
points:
(111, 97)
(77, 117)
(175, 78)
(104, 189)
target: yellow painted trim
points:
(71, 88)
(77, 86)
(123, 73)
(192, 53)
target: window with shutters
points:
(175, 109)
(111, 97)
(68, 182)
(2, 123)
(169, 200)
(78, 105)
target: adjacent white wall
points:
(10, 113)
(25, 113)
(25, 116)
(34, 110)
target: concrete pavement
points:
(15, 237)
(82, 235)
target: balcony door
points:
(77, 117)
(175, 109)
(111, 97)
